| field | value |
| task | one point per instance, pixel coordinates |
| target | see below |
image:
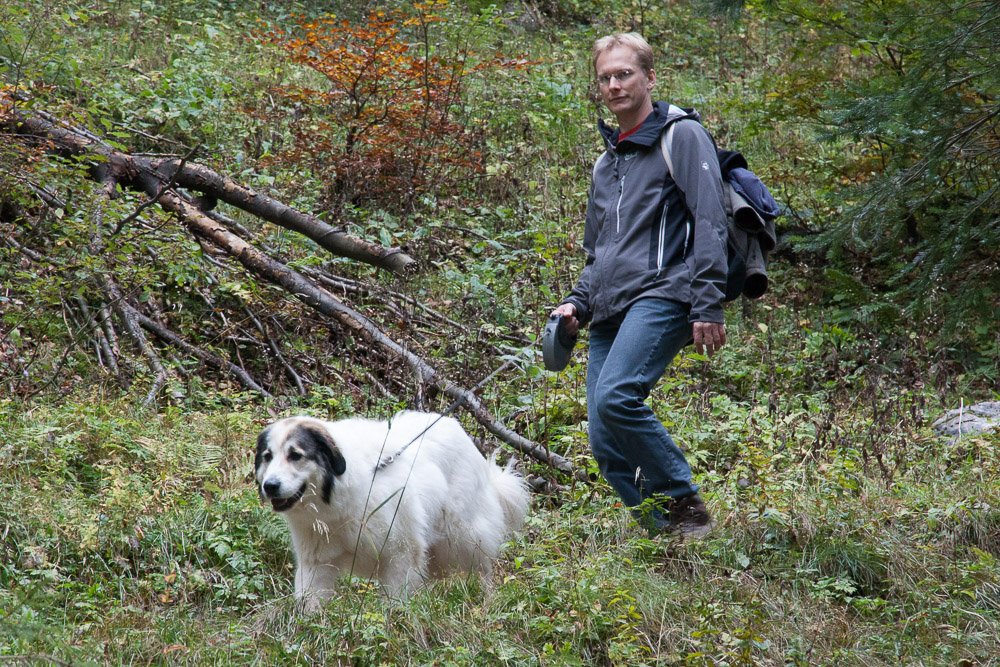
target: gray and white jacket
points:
(650, 233)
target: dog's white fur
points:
(438, 508)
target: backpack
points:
(750, 214)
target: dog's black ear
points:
(327, 449)
(327, 455)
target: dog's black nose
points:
(271, 488)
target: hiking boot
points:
(689, 518)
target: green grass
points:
(132, 540)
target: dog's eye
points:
(267, 457)
(294, 456)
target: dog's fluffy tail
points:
(513, 493)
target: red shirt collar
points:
(625, 135)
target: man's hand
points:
(568, 311)
(709, 337)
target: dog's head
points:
(294, 455)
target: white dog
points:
(401, 501)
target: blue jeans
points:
(627, 358)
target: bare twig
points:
(28, 658)
(276, 351)
(169, 337)
(127, 316)
(348, 285)
(100, 338)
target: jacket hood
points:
(648, 133)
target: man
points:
(654, 280)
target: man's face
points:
(628, 93)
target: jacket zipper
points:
(621, 190)
(618, 209)
(663, 240)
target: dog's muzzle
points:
(271, 489)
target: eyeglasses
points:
(622, 76)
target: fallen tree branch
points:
(100, 337)
(129, 322)
(276, 351)
(170, 338)
(44, 194)
(155, 198)
(109, 329)
(125, 168)
(201, 178)
(319, 299)
(148, 176)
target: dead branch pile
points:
(190, 191)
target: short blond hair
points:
(633, 40)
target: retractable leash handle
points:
(557, 344)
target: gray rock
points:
(991, 409)
(978, 418)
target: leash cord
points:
(451, 408)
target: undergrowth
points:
(848, 532)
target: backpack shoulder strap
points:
(667, 138)
(666, 141)
(597, 163)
